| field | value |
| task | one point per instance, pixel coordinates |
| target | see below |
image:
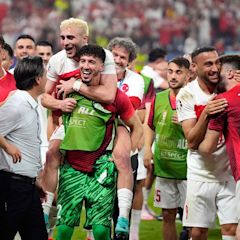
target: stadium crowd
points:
(178, 26)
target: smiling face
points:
(121, 58)
(24, 47)
(72, 40)
(90, 68)
(176, 76)
(208, 67)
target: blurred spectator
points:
(156, 68)
(7, 57)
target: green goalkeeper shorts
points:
(97, 190)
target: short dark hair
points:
(1, 41)
(92, 50)
(181, 62)
(9, 49)
(44, 43)
(156, 53)
(26, 72)
(25, 36)
(126, 43)
(200, 50)
(233, 60)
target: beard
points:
(221, 87)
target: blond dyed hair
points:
(76, 23)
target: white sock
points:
(90, 234)
(146, 193)
(48, 204)
(224, 237)
(135, 220)
(124, 202)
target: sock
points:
(48, 204)
(101, 232)
(135, 220)
(124, 202)
(90, 234)
(64, 232)
(146, 193)
(224, 237)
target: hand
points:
(65, 87)
(68, 104)
(216, 106)
(42, 192)
(148, 157)
(14, 152)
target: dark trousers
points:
(20, 208)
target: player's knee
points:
(101, 232)
(64, 232)
(122, 161)
(169, 215)
(229, 229)
(199, 233)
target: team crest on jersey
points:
(125, 88)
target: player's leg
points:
(226, 205)
(182, 188)
(100, 198)
(146, 213)
(198, 233)
(200, 208)
(138, 198)
(72, 188)
(169, 227)
(169, 195)
(50, 172)
(101, 232)
(121, 155)
(136, 211)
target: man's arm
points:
(10, 149)
(209, 144)
(48, 101)
(148, 154)
(194, 129)
(105, 92)
(136, 129)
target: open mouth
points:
(214, 76)
(68, 49)
(119, 68)
(86, 74)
